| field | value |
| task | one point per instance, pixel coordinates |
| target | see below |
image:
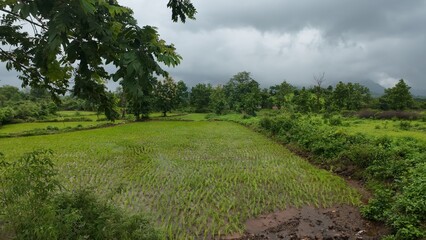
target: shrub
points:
(362, 155)
(366, 113)
(6, 115)
(404, 208)
(33, 208)
(52, 128)
(404, 125)
(409, 209)
(335, 120)
(378, 206)
(81, 214)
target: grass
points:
(25, 127)
(190, 117)
(73, 120)
(75, 113)
(78, 114)
(198, 179)
(389, 128)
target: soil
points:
(339, 222)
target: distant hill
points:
(418, 92)
(376, 89)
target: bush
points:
(81, 214)
(366, 113)
(52, 128)
(335, 120)
(32, 206)
(362, 155)
(405, 208)
(404, 125)
(6, 115)
(409, 209)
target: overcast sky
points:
(276, 40)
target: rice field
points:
(196, 179)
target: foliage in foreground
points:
(394, 167)
(33, 208)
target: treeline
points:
(33, 104)
(241, 94)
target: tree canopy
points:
(397, 98)
(243, 93)
(72, 42)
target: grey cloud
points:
(380, 40)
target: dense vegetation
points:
(33, 207)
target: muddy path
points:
(339, 222)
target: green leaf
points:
(88, 6)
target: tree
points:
(140, 97)
(218, 101)
(73, 41)
(243, 93)
(304, 100)
(200, 97)
(397, 97)
(359, 96)
(9, 94)
(281, 94)
(166, 95)
(183, 95)
(350, 96)
(319, 80)
(340, 94)
(266, 101)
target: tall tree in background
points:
(304, 100)
(166, 95)
(350, 96)
(9, 94)
(397, 97)
(318, 90)
(243, 93)
(182, 95)
(200, 97)
(73, 41)
(281, 94)
(218, 101)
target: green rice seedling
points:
(198, 179)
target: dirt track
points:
(340, 222)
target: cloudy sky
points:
(276, 40)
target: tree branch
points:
(41, 25)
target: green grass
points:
(158, 114)
(389, 128)
(75, 113)
(24, 127)
(198, 179)
(190, 117)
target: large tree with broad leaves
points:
(69, 43)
